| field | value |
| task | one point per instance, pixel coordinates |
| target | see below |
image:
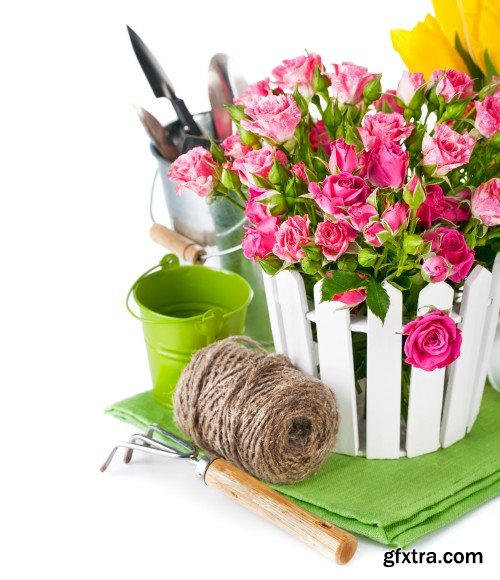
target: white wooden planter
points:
(443, 404)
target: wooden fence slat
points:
(298, 334)
(426, 388)
(383, 395)
(490, 326)
(275, 313)
(337, 366)
(461, 378)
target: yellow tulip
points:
(425, 48)
(488, 34)
(431, 44)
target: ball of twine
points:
(236, 401)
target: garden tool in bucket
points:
(183, 309)
(217, 226)
(330, 541)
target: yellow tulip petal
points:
(448, 16)
(489, 34)
(426, 48)
(463, 17)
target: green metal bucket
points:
(183, 309)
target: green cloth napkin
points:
(393, 502)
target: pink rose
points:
(456, 210)
(348, 81)
(256, 212)
(433, 341)
(299, 169)
(435, 269)
(395, 216)
(363, 164)
(387, 103)
(360, 214)
(318, 136)
(387, 164)
(486, 202)
(452, 83)
(371, 233)
(233, 147)
(291, 236)
(409, 85)
(451, 245)
(257, 162)
(254, 193)
(259, 240)
(334, 238)
(195, 171)
(298, 73)
(384, 127)
(351, 297)
(343, 157)
(274, 117)
(339, 190)
(437, 206)
(488, 115)
(447, 149)
(433, 207)
(254, 93)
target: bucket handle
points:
(210, 324)
(168, 261)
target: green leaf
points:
(377, 299)
(262, 182)
(475, 72)
(310, 266)
(341, 281)
(418, 99)
(367, 257)
(320, 82)
(332, 117)
(347, 263)
(352, 136)
(237, 112)
(271, 264)
(416, 198)
(217, 152)
(313, 252)
(453, 111)
(414, 141)
(490, 67)
(373, 90)
(247, 137)
(301, 102)
(277, 204)
(230, 179)
(278, 174)
(402, 282)
(413, 244)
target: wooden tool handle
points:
(183, 247)
(329, 540)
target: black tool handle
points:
(189, 124)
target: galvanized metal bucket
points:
(218, 226)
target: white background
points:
(75, 173)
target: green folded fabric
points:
(393, 502)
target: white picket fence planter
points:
(443, 404)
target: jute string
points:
(236, 401)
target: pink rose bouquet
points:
(360, 187)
